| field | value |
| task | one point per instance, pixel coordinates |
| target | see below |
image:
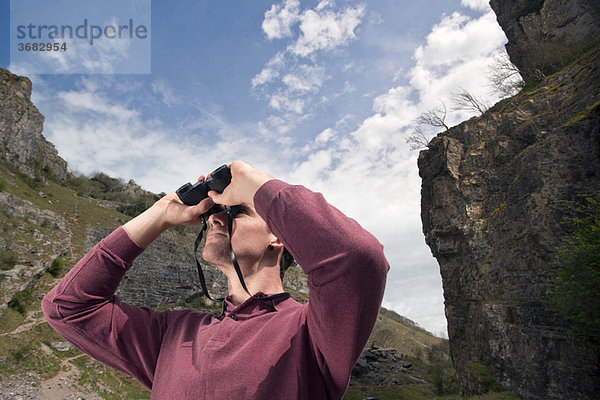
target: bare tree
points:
(418, 139)
(464, 100)
(504, 77)
(435, 117)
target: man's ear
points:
(276, 243)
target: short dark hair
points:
(286, 261)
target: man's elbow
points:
(371, 257)
(50, 309)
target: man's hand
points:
(170, 211)
(167, 212)
(245, 181)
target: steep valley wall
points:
(491, 211)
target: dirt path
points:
(64, 385)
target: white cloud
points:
(325, 29)
(457, 54)
(271, 70)
(265, 76)
(279, 19)
(305, 78)
(325, 136)
(478, 5)
(165, 92)
(458, 38)
(280, 101)
(290, 85)
(91, 101)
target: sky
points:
(318, 93)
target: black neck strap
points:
(238, 271)
(236, 266)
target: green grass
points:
(107, 382)
(484, 374)
(399, 392)
(23, 352)
(585, 114)
(415, 392)
(392, 330)
(10, 319)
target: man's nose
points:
(219, 218)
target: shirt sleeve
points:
(84, 310)
(346, 271)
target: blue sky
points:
(319, 93)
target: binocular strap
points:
(236, 266)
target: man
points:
(261, 347)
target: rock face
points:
(381, 367)
(545, 34)
(165, 273)
(21, 142)
(491, 215)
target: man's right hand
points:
(167, 212)
(245, 182)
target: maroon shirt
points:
(274, 349)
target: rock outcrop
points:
(543, 35)
(21, 142)
(491, 214)
(165, 274)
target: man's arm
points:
(346, 271)
(164, 214)
(83, 307)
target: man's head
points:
(251, 241)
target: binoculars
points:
(193, 194)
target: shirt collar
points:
(253, 306)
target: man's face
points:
(250, 238)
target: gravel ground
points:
(20, 388)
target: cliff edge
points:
(491, 193)
(22, 145)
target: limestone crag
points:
(491, 214)
(47, 239)
(378, 366)
(544, 34)
(21, 142)
(165, 273)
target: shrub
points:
(57, 267)
(574, 292)
(8, 259)
(20, 301)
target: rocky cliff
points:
(491, 214)
(21, 142)
(543, 35)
